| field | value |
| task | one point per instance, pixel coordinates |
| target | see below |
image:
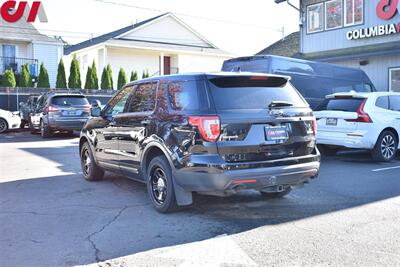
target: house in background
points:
(286, 47)
(162, 45)
(21, 43)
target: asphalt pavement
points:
(51, 216)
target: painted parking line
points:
(386, 169)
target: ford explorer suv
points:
(56, 112)
(213, 134)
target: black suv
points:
(206, 133)
(59, 112)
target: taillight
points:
(87, 108)
(362, 115)
(50, 109)
(209, 127)
(314, 125)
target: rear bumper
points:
(356, 139)
(227, 178)
(70, 124)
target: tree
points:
(43, 79)
(25, 79)
(106, 80)
(8, 79)
(122, 79)
(95, 79)
(134, 76)
(89, 81)
(74, 80)
(145, 74)
(109, 71)
(61, 77)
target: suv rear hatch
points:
(262, 118)
(70, 106)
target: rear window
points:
(348, 104)
(69, 101)
(252, 92)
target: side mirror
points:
(95, 111)
(96, 104)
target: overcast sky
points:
(240, 27)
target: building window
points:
(333, 14)
(354, 12)
(394, 79)
(315, 16)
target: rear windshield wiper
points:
(276, 104)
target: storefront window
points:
(394, 79)
(354, 12)
(333, 14)
(315, 18)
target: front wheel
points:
(276, 194)
(3, 125)
(386, 147)
(160, 185)
(91, 171)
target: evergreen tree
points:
(145, 74)
(8, 79)
(61, 77)
(43, 80)
(25, 79)
(89, 81)
(74, 80)
(134, 76)
(105, 80)
(109, 73)
(122, 79)
(95, 79)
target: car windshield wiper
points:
(276, 104)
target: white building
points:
(161, 45)
(21, 43)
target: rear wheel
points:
(91, 171)
(276, 194)
(160, 185)
(44, 130)
(386, 147)
(3, 125)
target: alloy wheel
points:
(87, 162)
(388, 147)
(159, 185)
(3, 125)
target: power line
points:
(186, 15)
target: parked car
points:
(59, 112)
(361, 121)
(26, 108)
(314, 80)
(9, 120)
(207, 133)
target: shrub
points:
(61, 77)
(43, 80)
(25, 79)
(145, 74)
(122, 79)
(106, 80)
(8, 79)
(134, 76)
(95, 79)
(109, 71)
(74, 80)
(88, 81)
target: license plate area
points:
(276, 134)
(331, 122)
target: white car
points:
(361, 121)
(9, 120)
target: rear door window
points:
(68, 101)
(188, 95)
(382, 102)
(252, 92)
(394, 103)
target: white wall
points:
(50, 55)
(199, 63)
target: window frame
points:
(325, 16)
(308, 18)
(345, 15)
(133, 93)
(390, 78)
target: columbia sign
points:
(13, 11)
(380, 30)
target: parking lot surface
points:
(50, 216)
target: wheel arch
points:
(151, 151)
(393, 130)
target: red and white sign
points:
(13, 11)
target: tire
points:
(44, 130)
(327, 151)
(276, 194)
(91, 171)
(31, 129)
(385, 149)
(3, 125)
(23, 124)
(160, 185)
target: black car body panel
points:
(157, 119)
